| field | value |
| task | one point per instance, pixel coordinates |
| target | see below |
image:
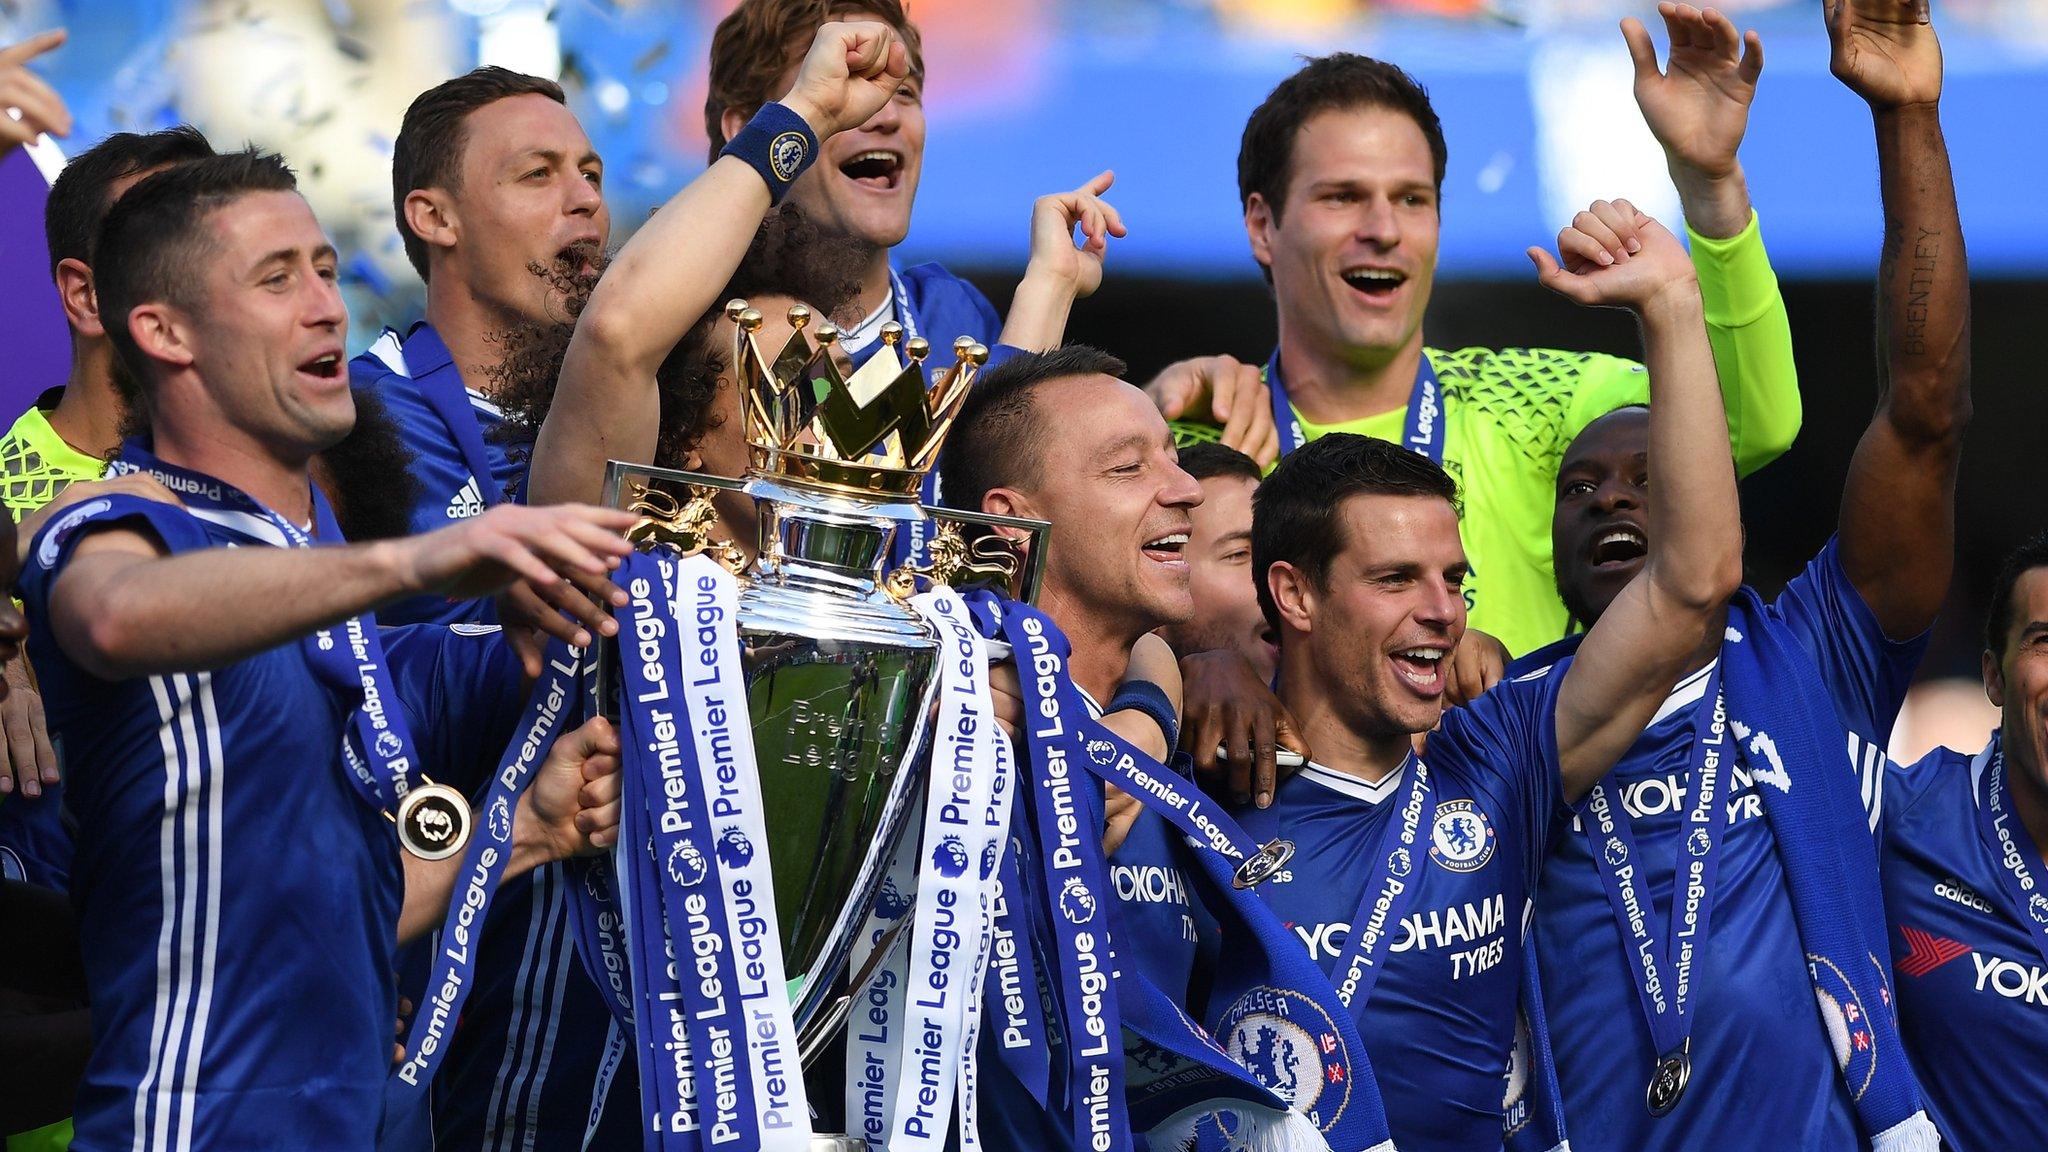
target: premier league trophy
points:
(840, 673)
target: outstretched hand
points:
(42, 110)
(851, 70)
(1884, 51)
(1613, 256)
(1698, 105)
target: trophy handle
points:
(967, 551)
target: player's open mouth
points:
(1167, 549)
(876, 168)
(1421, 669)
(1375, 283)
(326, 366)
(1620, 545)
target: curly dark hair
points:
(789, 257)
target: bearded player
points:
(491, 177)
(1852, 627)
(1412, 873)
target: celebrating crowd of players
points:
(1665, 890)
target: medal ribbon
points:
(557, 701)
(450, 401)
(1422, 429)
(382, 760)
(1388, 892)
(1663, 974)
(2011, 847)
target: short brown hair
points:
(751, 50)
(1341, 81)
(428, 151)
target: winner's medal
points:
(1667, 1082)
(433, 821)
(1264, 864)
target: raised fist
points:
(850, 72)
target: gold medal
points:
(433, 821)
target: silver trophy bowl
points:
(841, 679)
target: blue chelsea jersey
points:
(1440, 1024)
(418, 381)
(1764, 1074)
(237, 900)
(1971, 982)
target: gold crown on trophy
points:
(875, 432)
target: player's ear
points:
(1259, 222)
(1293, 593)
(81, 303)
(159, 330)
(430, 214)
(1994, 679)
(733, 119)
(1009, 502)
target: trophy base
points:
(823, 1143)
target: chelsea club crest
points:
(1461, 838)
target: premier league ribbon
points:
(874, 1021)
(1015, 1009)
(966, 814)
(557, 702)
(1069, 844)
(1663, 972)
(379, 752)
(1422, 429)
(717, 1045)
(1387, 892)
(2011, 847)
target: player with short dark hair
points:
(1743, 814)
(1341, 174)
(492, 181)
(68, 432)
(214, 679)
(1412, 871)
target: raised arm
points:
(1698, 108)
(1059, 273)
(1898, 507)
(122, 607)
(1673, 609)
(606, 405)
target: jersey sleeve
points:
(53, 546)
(463, 692)
(1752, 338)
(1866, 673)
(1506, 741)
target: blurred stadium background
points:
(1029, 96)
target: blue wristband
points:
(1149, 698)
(777, 144)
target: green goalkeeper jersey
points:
(1510, 413)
